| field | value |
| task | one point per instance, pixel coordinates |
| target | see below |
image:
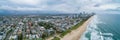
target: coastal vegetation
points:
(47, 25)
(72, 28)
(56, 38)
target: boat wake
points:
(94, 33)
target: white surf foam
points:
(94, 32)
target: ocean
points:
(103, 27)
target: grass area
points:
(56, 38)
(72, 28)
(34, 39)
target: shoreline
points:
(77, 33)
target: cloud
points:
(58, 5)
(27, 2)
(109, 6)
(23, 8)
(100, 7)
(63, 7)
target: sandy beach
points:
(76, 34)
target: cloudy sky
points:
(60, 5)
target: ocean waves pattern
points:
(94, 33)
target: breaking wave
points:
(94, 33)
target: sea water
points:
(103, 27)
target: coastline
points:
(77, 33)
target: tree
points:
(47, 25)
(56, 38)
(20, 36)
